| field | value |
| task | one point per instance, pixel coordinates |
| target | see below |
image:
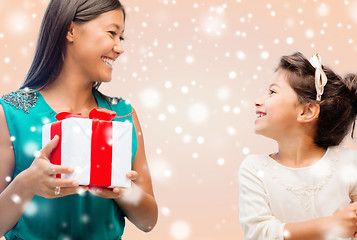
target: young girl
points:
(306, 190)
(78, 43)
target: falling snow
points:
(180, 230)
(165, 211)
(192, 70)
(220, 161)
(323, 10)
(31, 209)
(16, 198)
(198, 113)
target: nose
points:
(118, 48)
(258, 102)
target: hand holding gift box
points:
(98, 149)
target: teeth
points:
(108, 61)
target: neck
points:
(300, 151)
(70, 92)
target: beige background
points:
(192, 70)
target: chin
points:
(257, 130)
(105, 79)
(260, 132)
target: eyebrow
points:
(116, 26)
(273, 85)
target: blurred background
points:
(192, 70)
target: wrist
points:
(130, 195)
(23, 185)
(325, 224)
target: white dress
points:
(272, 194)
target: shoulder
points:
(343, 153)
(346, 155)
(22, 99)
(344, 160)
(2, 115)
(121, 106)
(4, 131)
(252, 163)
(347, 151)
(252, 173)
(118, 104)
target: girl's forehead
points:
(281, 77)
(115, 18)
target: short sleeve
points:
(255, 214)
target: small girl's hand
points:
(40, 178)
(344, 221)
(114, 192)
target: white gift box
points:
(99, 151)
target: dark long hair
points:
(48, 59)
(338, 105)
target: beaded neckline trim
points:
(27, 98)
(21, 99)
(304, 191)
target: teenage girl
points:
(78, 44)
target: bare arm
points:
(139, 204)
(11, 211)
(37, 179)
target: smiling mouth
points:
(108, 61)
(260, 115)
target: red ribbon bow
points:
(96, 113)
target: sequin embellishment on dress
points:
(21, 99)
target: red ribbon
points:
(96, 113)
(101, 143)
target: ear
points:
(71, 33)
(308, 113)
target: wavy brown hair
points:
(338, 105)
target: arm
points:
(343, 222)
(139, 204)
(340, 224)
(10, 211)
(256, 217)
(38, 179)
(258, 221)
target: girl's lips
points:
(260, 114)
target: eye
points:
(271, 92)
(113, 33)
(122, 39)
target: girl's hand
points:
(344, 221)
(113, 192)
(40, 178)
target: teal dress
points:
(79, 216)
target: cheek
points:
(98, 41)
(280, 111)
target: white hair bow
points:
(320, 76)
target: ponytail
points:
(338, 105)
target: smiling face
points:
(277, 111)
(93, 46)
